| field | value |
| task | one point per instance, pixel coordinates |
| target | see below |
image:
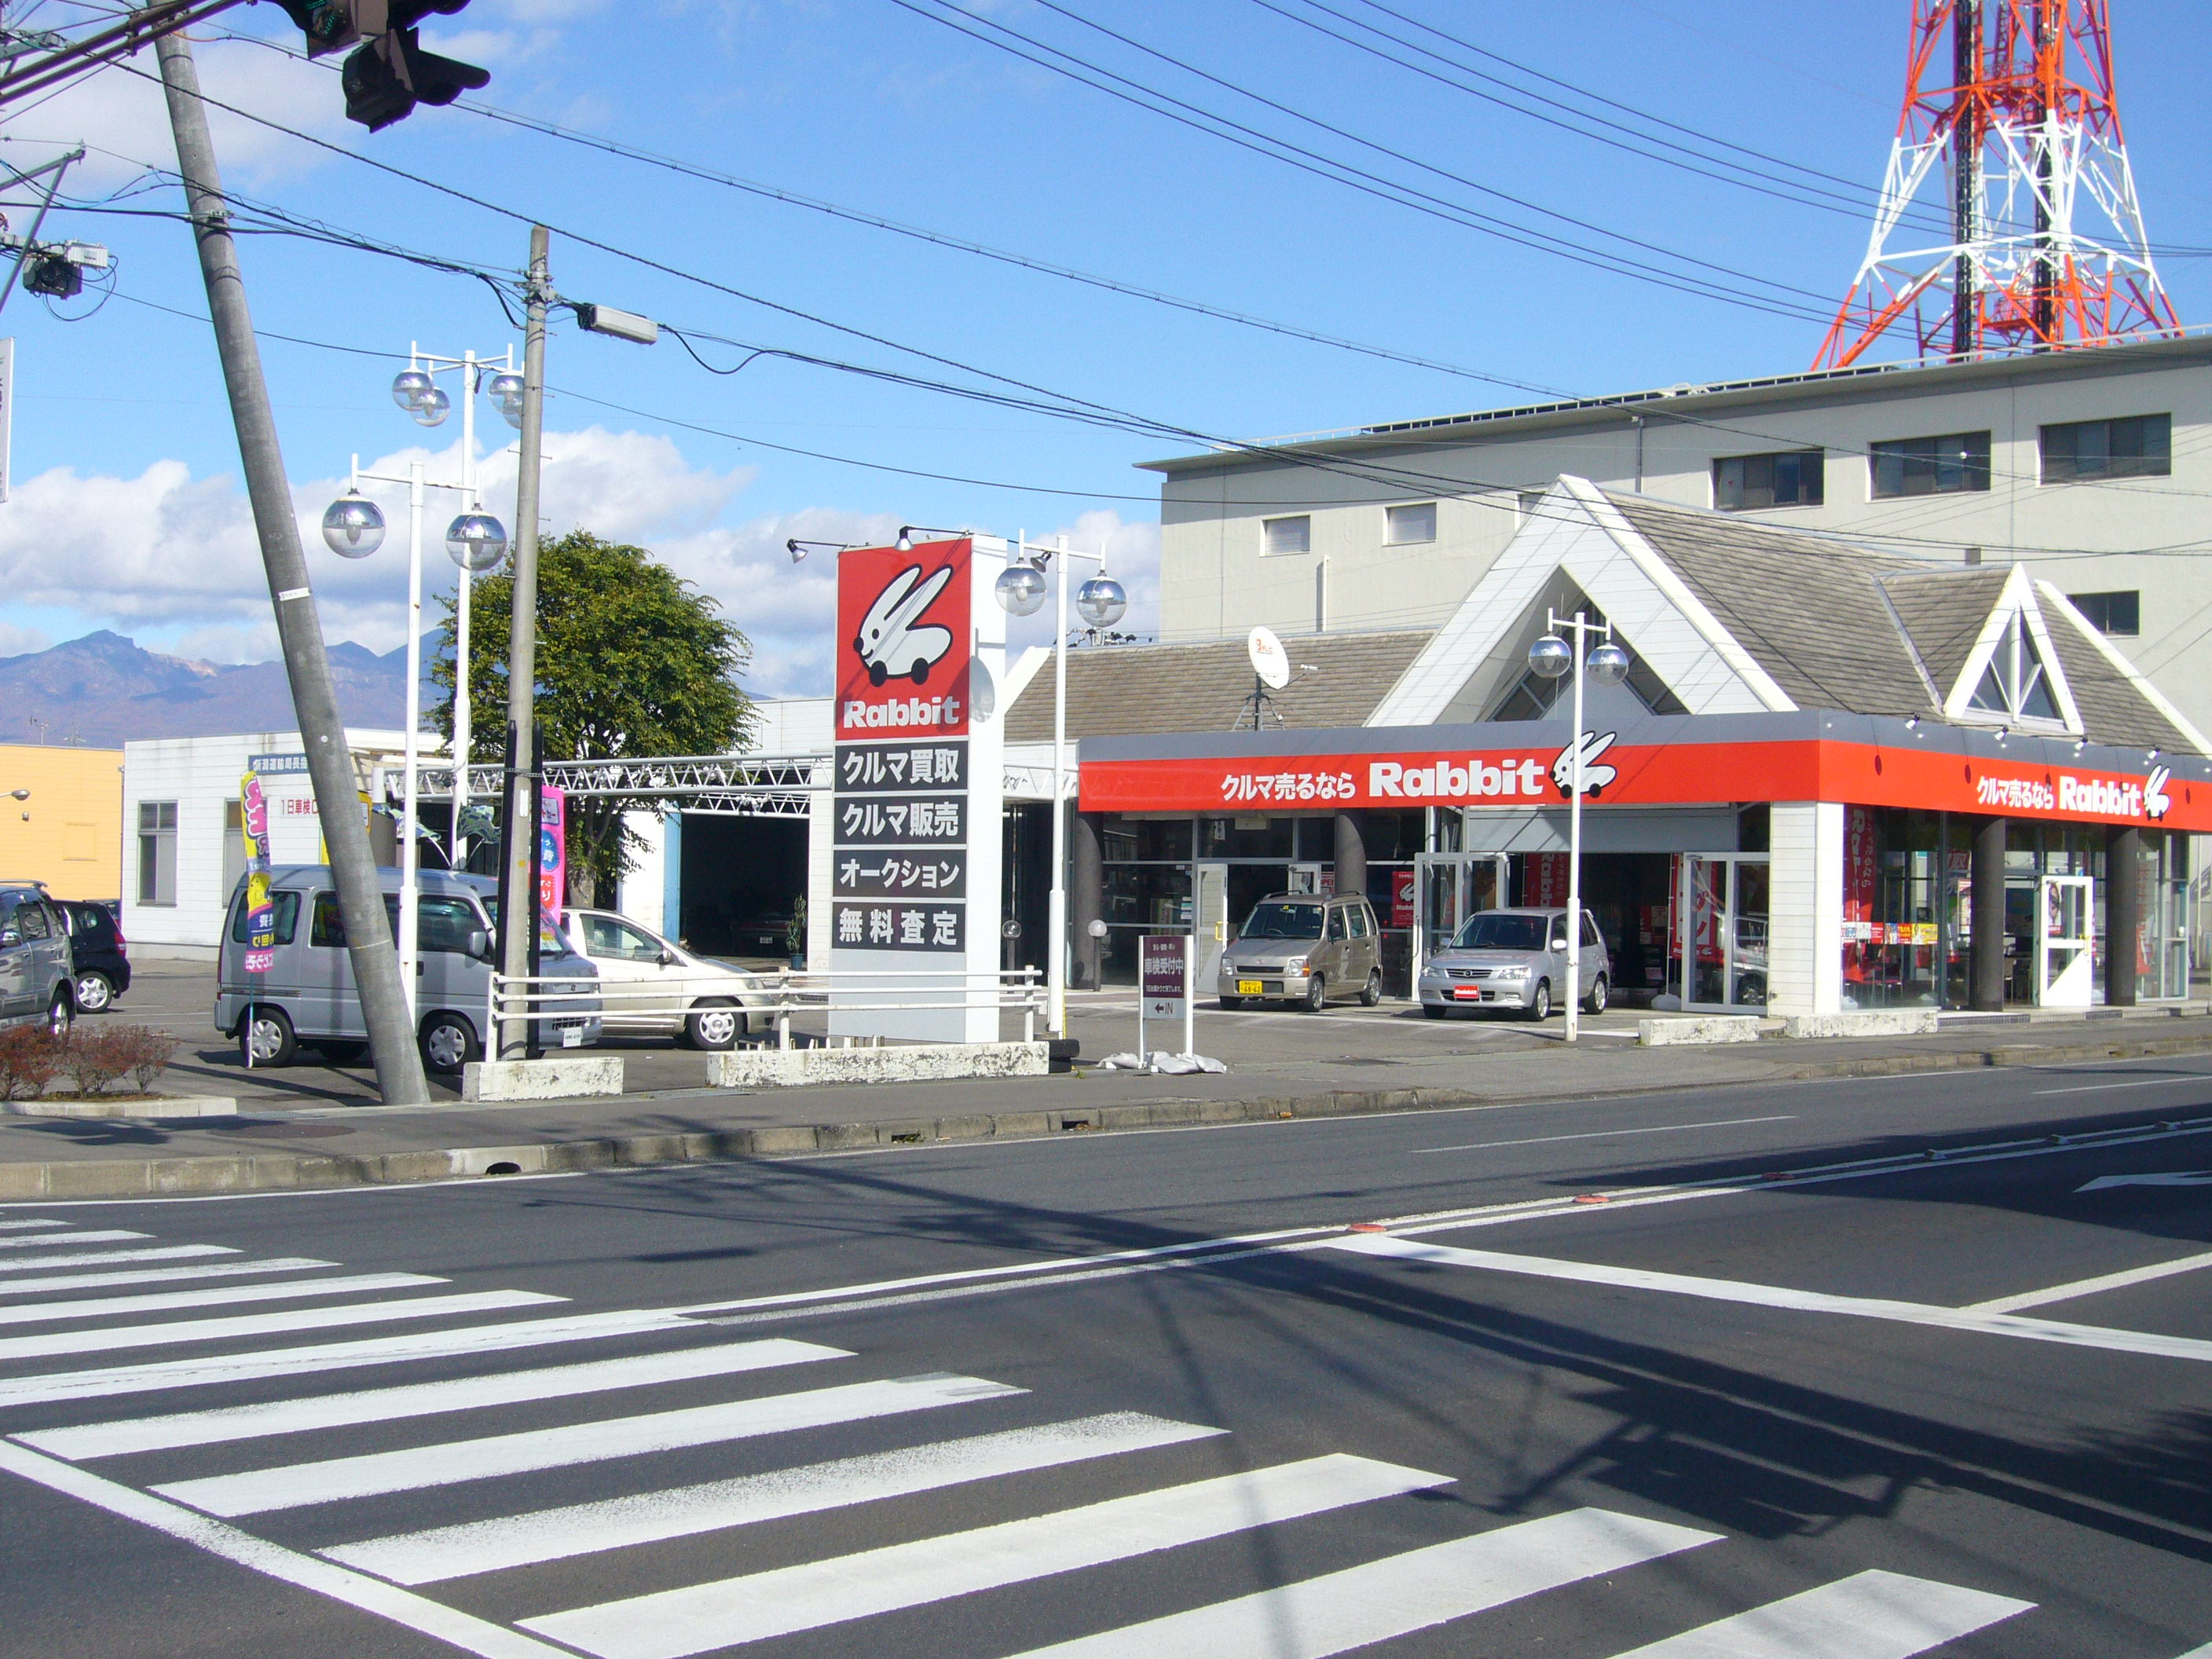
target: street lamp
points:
(1551, 657)
(413, 388)
(1103, 602)
(353, 528)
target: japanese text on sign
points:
(900, 927)
(871, 768)
(863, 874)
(873, 823)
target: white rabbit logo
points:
(1595, 777)
(2156, 801)
(889, 643)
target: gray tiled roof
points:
(1141, 689)
(1943, 611)
(2113, 710)
(1809, 611)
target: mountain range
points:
(105, 689)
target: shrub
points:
(29, 1058)
(90, 1055)
(145, 1051)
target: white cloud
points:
(17, 641)
(174, 556)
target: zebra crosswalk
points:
(431, 1507)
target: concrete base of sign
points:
(1871, 1022)
(1698, 1028)
(160, 1106)
(919, 1062)
(540, 1080)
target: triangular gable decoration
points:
(2013, 671)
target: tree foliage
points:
(632, 663)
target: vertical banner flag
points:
(915, 798)
(552, 855)
(261, 913)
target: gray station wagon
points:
(1513, 959)
(1304, 948)
(36, 971)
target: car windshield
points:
(1500, 930)
(1277, 921)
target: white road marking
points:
(2150, 1343)
(164, 1253)
(702, 1617)
(1337, 1612)
(20, 1226)
(2205, 1652)
(458, 1552)
(101, 1237)
(1870, 1615)
(211, 1369)
(274, 1264)
(2173, 1178)
(259, 1491)
(2197, 1077)
(314, 1412)
(98, 1307)
(304, 1319)
(2187, 1264)
(431, 1618)
(1605, 1134)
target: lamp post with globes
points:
(1551, 657)
(353, 528)
(415, 390)
(1101, 602)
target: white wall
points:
(1805, 909)
(641, 893)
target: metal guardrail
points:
(626, 1007)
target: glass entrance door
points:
(1722, 936)
(1449, 887)
(2066, 905)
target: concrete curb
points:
(178, 1176)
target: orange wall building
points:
(67, 831)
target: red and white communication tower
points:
(2038, 242)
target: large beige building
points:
(2094, 464)
(67, 829)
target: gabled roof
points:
(1734, 614)
(1141, 689)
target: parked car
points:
(306, 995)
(96, 946)
(1514, 958)
(651, 988)
(36, 982)
(1304, 948)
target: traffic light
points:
(389, 73)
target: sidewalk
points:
(323, 1144)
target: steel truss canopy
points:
(731, 786)
(2010, 139)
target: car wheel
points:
(1370, 996)
(93, 993)
(1317, 995)
(1539, 1002)
(61, 1011)
(714, 1025)
(1595, 1002)
(264, 1037)
(448, 1043)
(1231, 1004)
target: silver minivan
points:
(36, 970)
(1515, 959)
(1304, 948)
(307, 994)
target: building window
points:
(1743, 483)
(2112, 613)
(2015, 683)
(1402, 525)
(1289, 535)
(2136, 447)
(1948, 466)
(234, 844)
(157, 852)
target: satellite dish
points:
(1269, 661)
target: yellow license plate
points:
(1248, 987)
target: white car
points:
(651, 988)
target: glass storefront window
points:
(1246, 838)
(1147, 841)
(1148, 896)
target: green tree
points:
(633, 663)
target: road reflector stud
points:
(1592, 1197)
(1369, 1227)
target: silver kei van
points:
(307, 994)
(1304, 948)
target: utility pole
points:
(330, 765)
(517, 939)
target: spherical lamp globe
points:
(476, 542)
(1551, 656)
(1102, 602)
(353, 528)
(1019, 590)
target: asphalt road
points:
(1780, 1395)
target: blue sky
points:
(127, 512)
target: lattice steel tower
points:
(2039, 242)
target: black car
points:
(103, 966)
